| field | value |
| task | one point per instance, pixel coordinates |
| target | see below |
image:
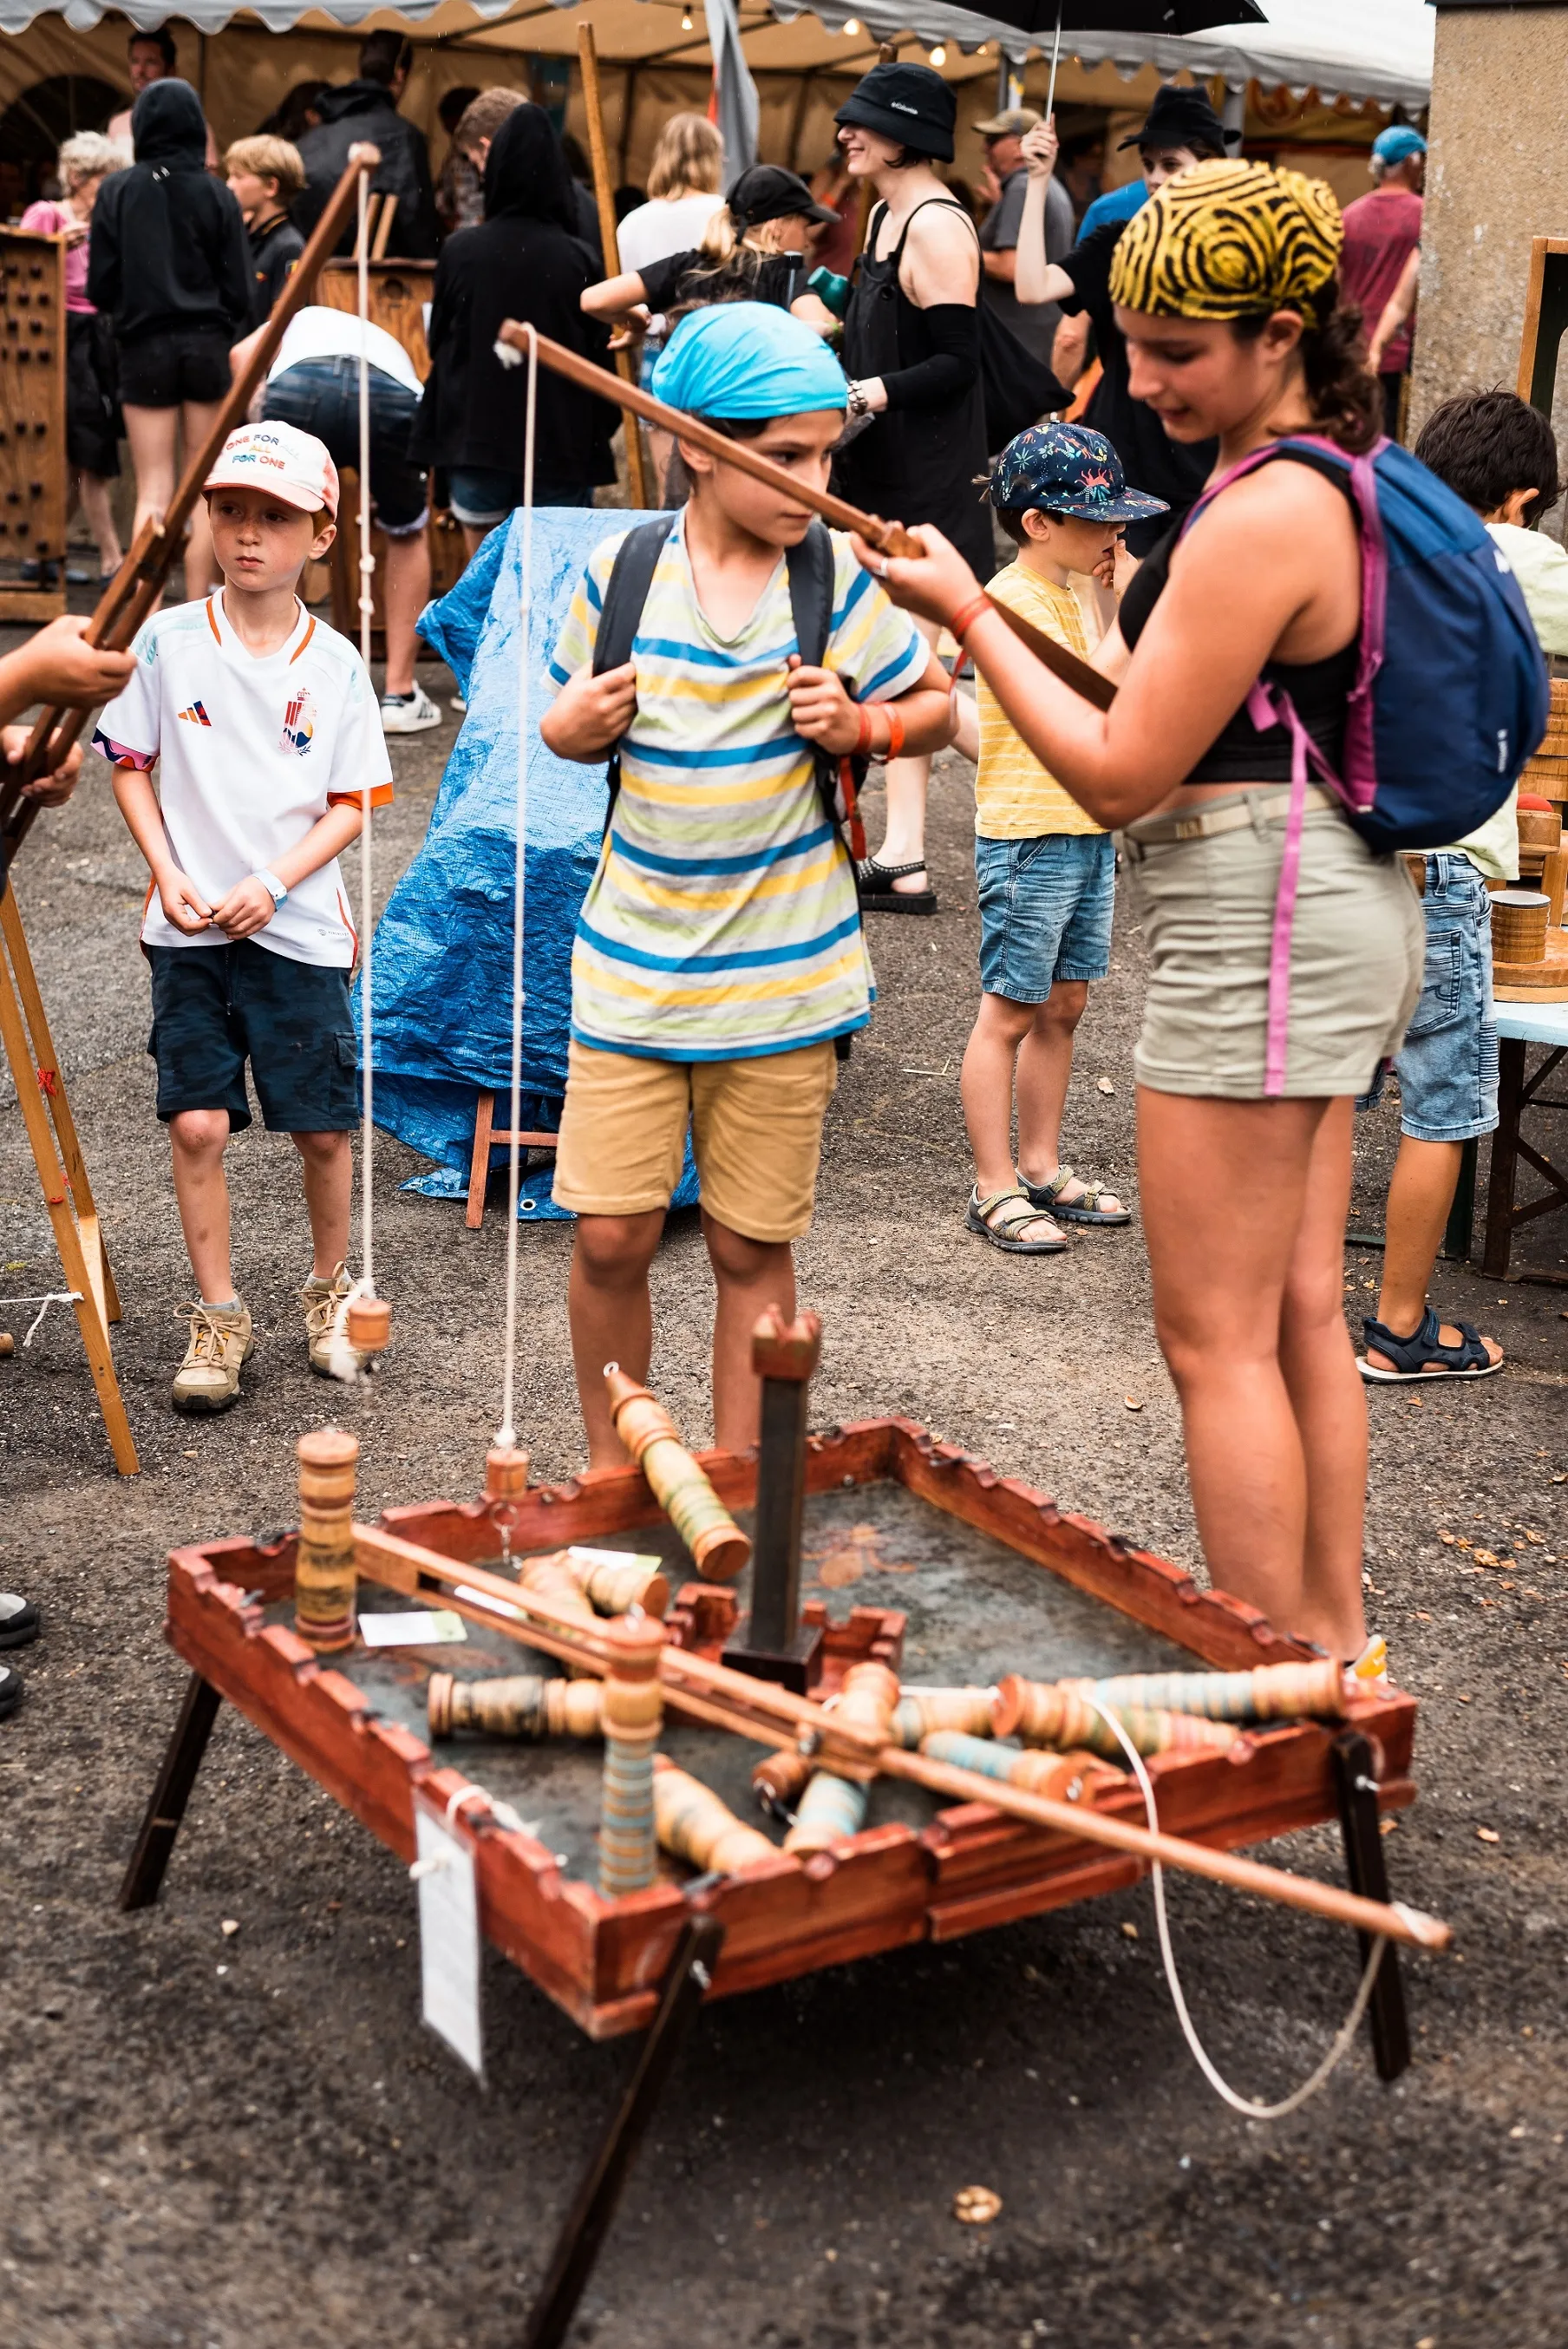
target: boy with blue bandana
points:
(718, 957)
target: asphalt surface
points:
(247, 2140)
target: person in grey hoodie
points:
(168, 265)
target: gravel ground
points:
(223, 2139)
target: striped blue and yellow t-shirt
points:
(721, 922)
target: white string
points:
(367, 607)
(55, 1297)
(1310, 2086)
(506, 1433)
(1056, 53)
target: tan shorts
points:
(756, 1128)
(1207, 904)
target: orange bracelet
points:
(895, 734)
(964, 620)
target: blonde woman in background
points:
(683, 193)
(92, 404)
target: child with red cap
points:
(264, 729)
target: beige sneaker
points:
(321, 1300)
(209, 1377)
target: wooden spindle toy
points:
(771, 1643)
(1268, 1693)
(780, 1779)
(324, 1582)
(368, 1325)
(1046, 1713)
(831, 1807)
(1064, 1777)
(613, 1581)
(967, 1710)
(633, 1715)
(506, 1473)
(526, 1705)
(716, 1542)
(693, 1825)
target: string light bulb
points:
(686, 20)
(938, 55)
(852, 27)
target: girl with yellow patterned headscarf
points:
(1227, 240)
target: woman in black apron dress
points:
(915, 373)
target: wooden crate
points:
(34, 471)
(962, 1573)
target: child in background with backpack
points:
(1498, 454)
(1046, 870)
(719, 957)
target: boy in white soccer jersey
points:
(264, 726)
(719, 957)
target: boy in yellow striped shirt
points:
(1046, 871)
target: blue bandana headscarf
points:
(748, 360)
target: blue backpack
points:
(1452, 692)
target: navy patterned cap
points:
(1066, 469)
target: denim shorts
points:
(213, 1007)
(1447, 1065)
(1045, 910)
(481, 497)
(322, 396)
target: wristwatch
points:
(273, 888)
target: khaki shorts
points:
(756, 1128)
(1207, 907)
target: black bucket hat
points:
(767, 191)
(1183, 118)
(909, 103)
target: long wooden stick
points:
(137, 585)
(604, 197)
(770, 1715)
(887, 537)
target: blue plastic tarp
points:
(442, 968)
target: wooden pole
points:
(603, 195)
(137, 585)
(887, 537)
(771, 1715)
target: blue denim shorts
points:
(322, 396)
(1447, 1065)
(481, 497)
(1045, 910)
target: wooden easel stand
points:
(56, 1154)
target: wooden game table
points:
(1520, 1025)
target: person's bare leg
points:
(99, 519)
(1327, 1397)
(152, 433)
(1223, 1188)
(405, 592)
(986, 1087)
(612, 1315)
(197, 419)
(197, 1140)
(1420, 1198)
(1045, 1069)
(908, 782)
(751, 1275)
(326, 1161)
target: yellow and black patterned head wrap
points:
(1226, 240)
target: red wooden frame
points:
(971, 1868)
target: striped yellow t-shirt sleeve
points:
(1017, 797)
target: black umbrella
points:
(1042, 16)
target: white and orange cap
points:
(293, 465)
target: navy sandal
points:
(19, 1620)
(1087, 1210)
(1421, 1357)
(878, 895)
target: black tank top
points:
(1319, 689)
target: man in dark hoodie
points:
(368, 108)
(168, 265)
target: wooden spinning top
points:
(506, 1473)
(368, 1325)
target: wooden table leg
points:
(175, 1777)
(593, 2207)
(479, 1165)
(1505, 1157)
(1357, 1790)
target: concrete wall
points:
(1498, 175)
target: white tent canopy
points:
(1358, 49)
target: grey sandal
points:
(1015, 1215)
(1087, 1210)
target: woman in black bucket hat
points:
(912, 351)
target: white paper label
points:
(426, 1627)
(448, 1933)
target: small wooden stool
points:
(487, 1136)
